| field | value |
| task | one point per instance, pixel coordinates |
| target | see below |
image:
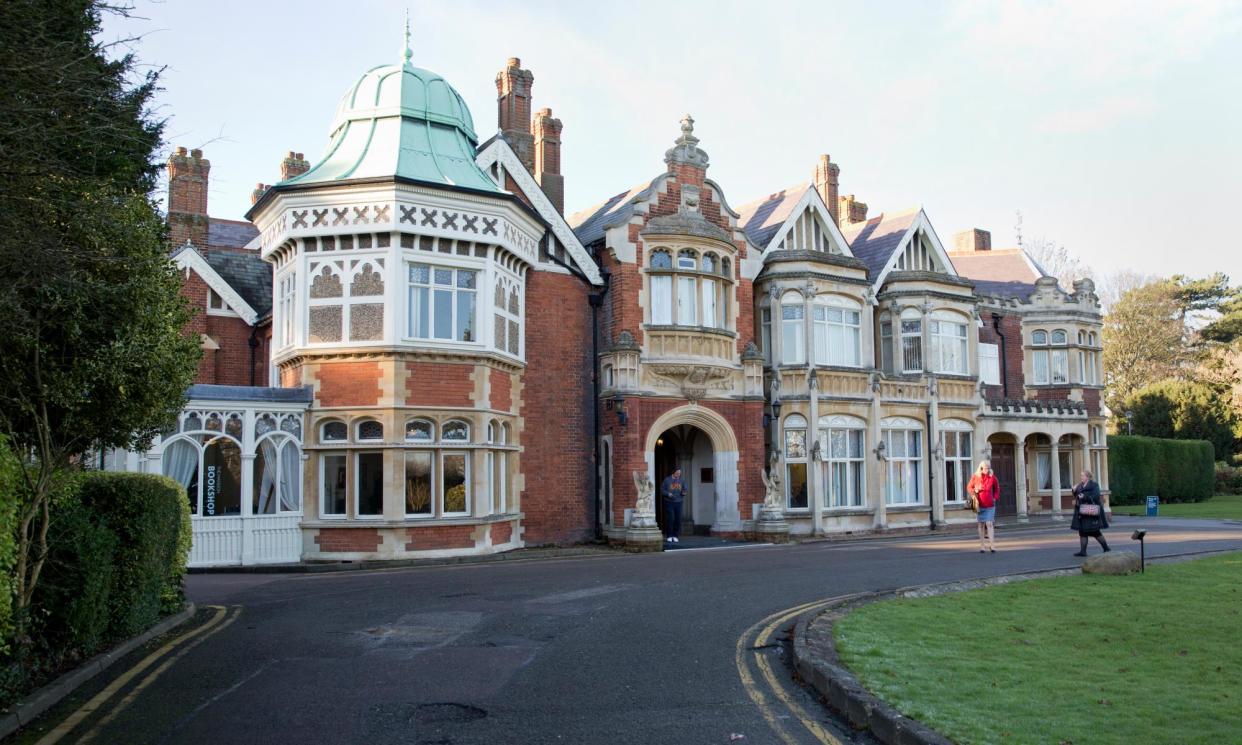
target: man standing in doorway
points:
(673, 490)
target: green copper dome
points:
(404, 121)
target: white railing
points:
(258, 539)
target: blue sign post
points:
(1153, 506)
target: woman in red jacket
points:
(986, 488)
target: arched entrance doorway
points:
(703, 443)
(689, 448)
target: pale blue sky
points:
(1114, 126)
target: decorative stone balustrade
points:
(1033, 407)
(669, 343)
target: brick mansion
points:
(410, 350)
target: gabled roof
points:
(498, 151)
(246, 273)
(1006, 272)
(592, 223)
(762, 218)
(230, 233)
(770, 220)
(876, 241)
(187, 257)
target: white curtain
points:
(1043, 470)
(267, 481)
(181, 462)
(290, 477)
(662, 300)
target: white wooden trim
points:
(189, 258)
(500, 152)
(811, 199)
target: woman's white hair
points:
(982, 465)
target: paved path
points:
(617, 649)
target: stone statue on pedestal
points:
(644, 507)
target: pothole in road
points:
(447, 713)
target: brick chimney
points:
(851, 210)
(259, 190)
(513, 86)
(969, 241)
(293, 165)
(827, 180)
(547, 134)
(187, 197)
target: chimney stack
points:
(259, 190)
(851, 210)
(293, 165)
(970, 241)
(827, 180)
(547, 134)
(513, 85)
(187, 197)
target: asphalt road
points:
(609, 649)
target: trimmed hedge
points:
(150, 518)
(118, 545)
(1174, 470)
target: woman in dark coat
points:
(1087, 492)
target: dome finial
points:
(406, 52)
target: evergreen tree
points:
(94, 355)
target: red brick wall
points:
(1052, 394)
(439, 537)
(348, 539)
(1091, 396)
(231, 363)
(439, 384)
(1011, 327)
(557, 438)
(349, 384)
(502, 390)
(745, 418)
(501, 533)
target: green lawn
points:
(1219, 507)
(1152, 658)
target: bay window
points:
(692, 292)
(436, 479)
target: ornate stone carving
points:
(694, 381)
(644, 506)
(773, 510)
(686, 149)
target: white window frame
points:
(851, 464)
(910, 432)
(765, 333)
(793, 329)
(963, 460)
(217, 306)
(949, 333)
(357, 501)
(434, 476)
(911, 329)
(837, 340)
(323, 494)
(431, 287)
(989, 363)
(286, 304)
(469, 495)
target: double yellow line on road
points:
(221, 619)
(757, 637)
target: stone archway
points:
(724, 458)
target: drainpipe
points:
(254, 346)
(1004, 372)
(932, 442)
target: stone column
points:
(814, 457)
(1055, 457)
(881, 507)
(1019, 486)
(934, 445)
